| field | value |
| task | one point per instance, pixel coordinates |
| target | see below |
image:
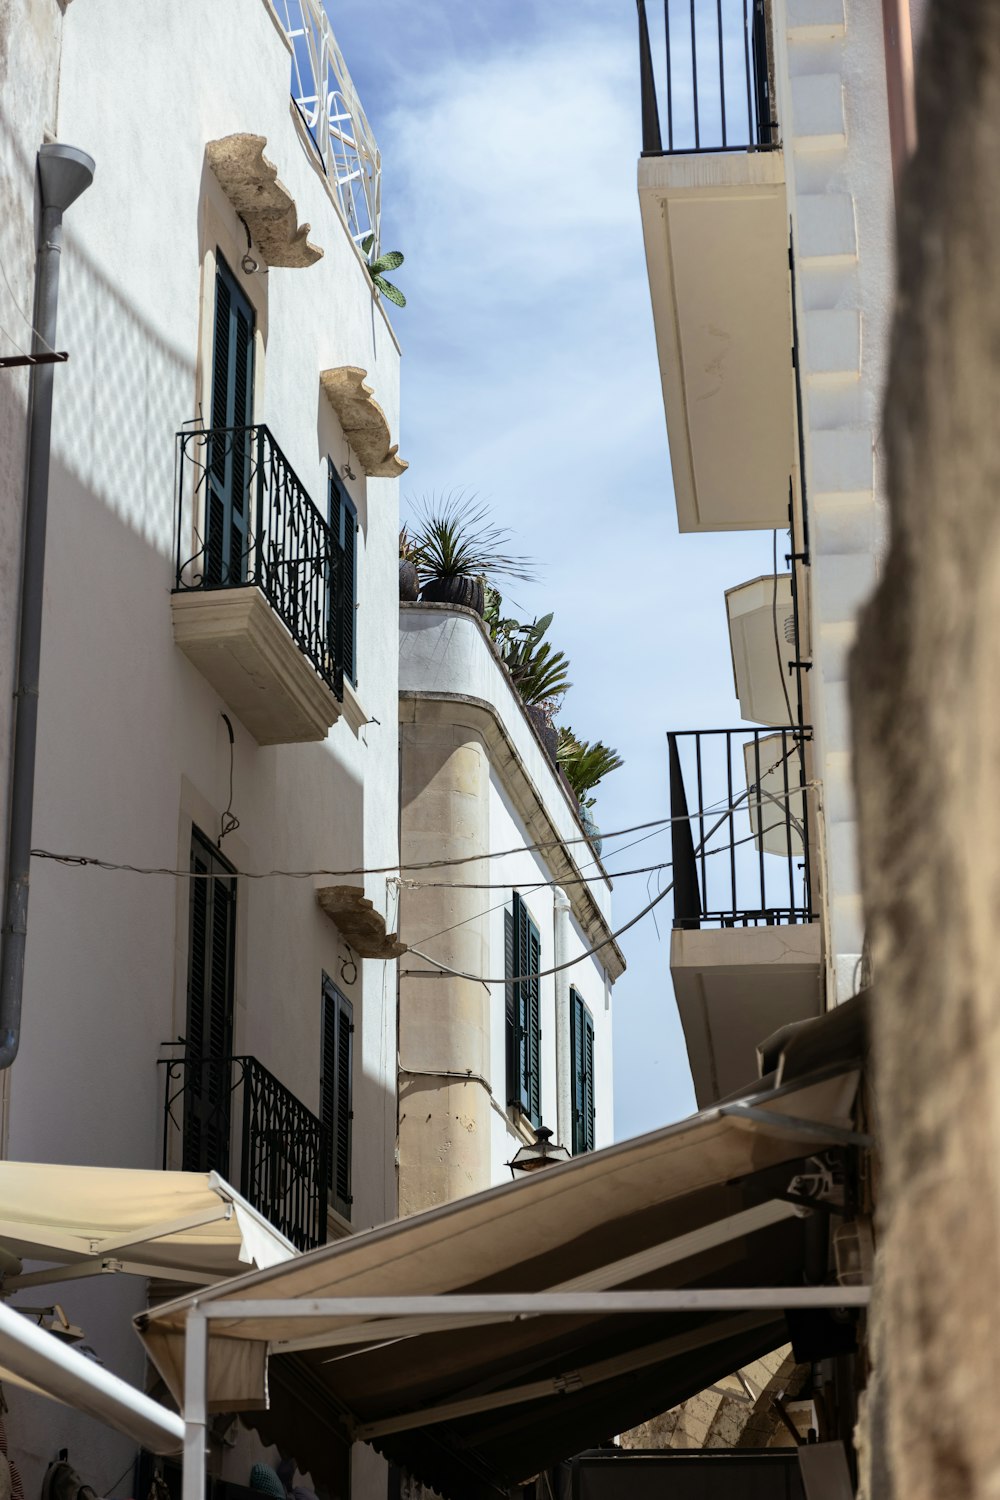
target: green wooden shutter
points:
(533, 1060)
(510, 1002)
(343, 519)
(337, 1091)
(582, 1052)
(210, 998)
(227, 494)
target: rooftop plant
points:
(390, 261)
(451, 537)
(585, 764)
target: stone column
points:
(444, 1023)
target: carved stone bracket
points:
(360, 924)
(363, 420)
(251, 184)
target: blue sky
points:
(509, 136)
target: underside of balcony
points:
(734, 986)
(716, 235)
(237, 642)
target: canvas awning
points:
(182, 1226)
(688, 1219)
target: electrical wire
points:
(439, 969)
(92, 861)
(24, 317)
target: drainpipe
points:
(564, 1061)
(63, 174)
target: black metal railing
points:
(230, 1115)
(255, 525)
(715, 89)
(740, 833)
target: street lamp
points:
(541, 1153)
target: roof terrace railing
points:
(715, 89)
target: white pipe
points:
(564, 1060)
(195, 1405)
(59, 1371)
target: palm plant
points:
(539, 673)
(456, 549)
(390, 261)
(585, 764)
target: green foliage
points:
(451, 537)
(540, 674)
(390, 261)
(585, 764)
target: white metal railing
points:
(328, 104)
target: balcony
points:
(715, 224)
(230, 1115)
(745, 950)
(253, 601)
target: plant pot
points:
(409, 582)
(591, 829)
(468, 592)
(547, 731)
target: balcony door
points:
(227, 500)
(208, 1081)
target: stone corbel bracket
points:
(359, 923)
(250, 182)
(363, 420)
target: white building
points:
(219, 667)
(484, 1064)
(766, 191)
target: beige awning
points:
(473, 1403)
(182, 1226)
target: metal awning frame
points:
(441, 1309)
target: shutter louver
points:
(336, 1091)
(209, 1031)
(510, 1002)
(226, 507)
(582, 1050)
(533, 1080)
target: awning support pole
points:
(195, 1409)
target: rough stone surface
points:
(927, 733)
(363, 420)
(251, 184)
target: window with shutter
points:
(344, 604)
(522, 959)
(209, 1029)
(337, 1091)
(582, 1051)
(227, 495)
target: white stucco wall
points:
(132, 748)
(445, 655)
(831, 96)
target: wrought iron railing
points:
(253, 524)
(230, 1115)
(715, 88)
(740, 835)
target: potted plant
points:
(537, 671)
(456, 550)
(585, 765)
(409, 578)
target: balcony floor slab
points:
(735, 986)
(240, 646)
